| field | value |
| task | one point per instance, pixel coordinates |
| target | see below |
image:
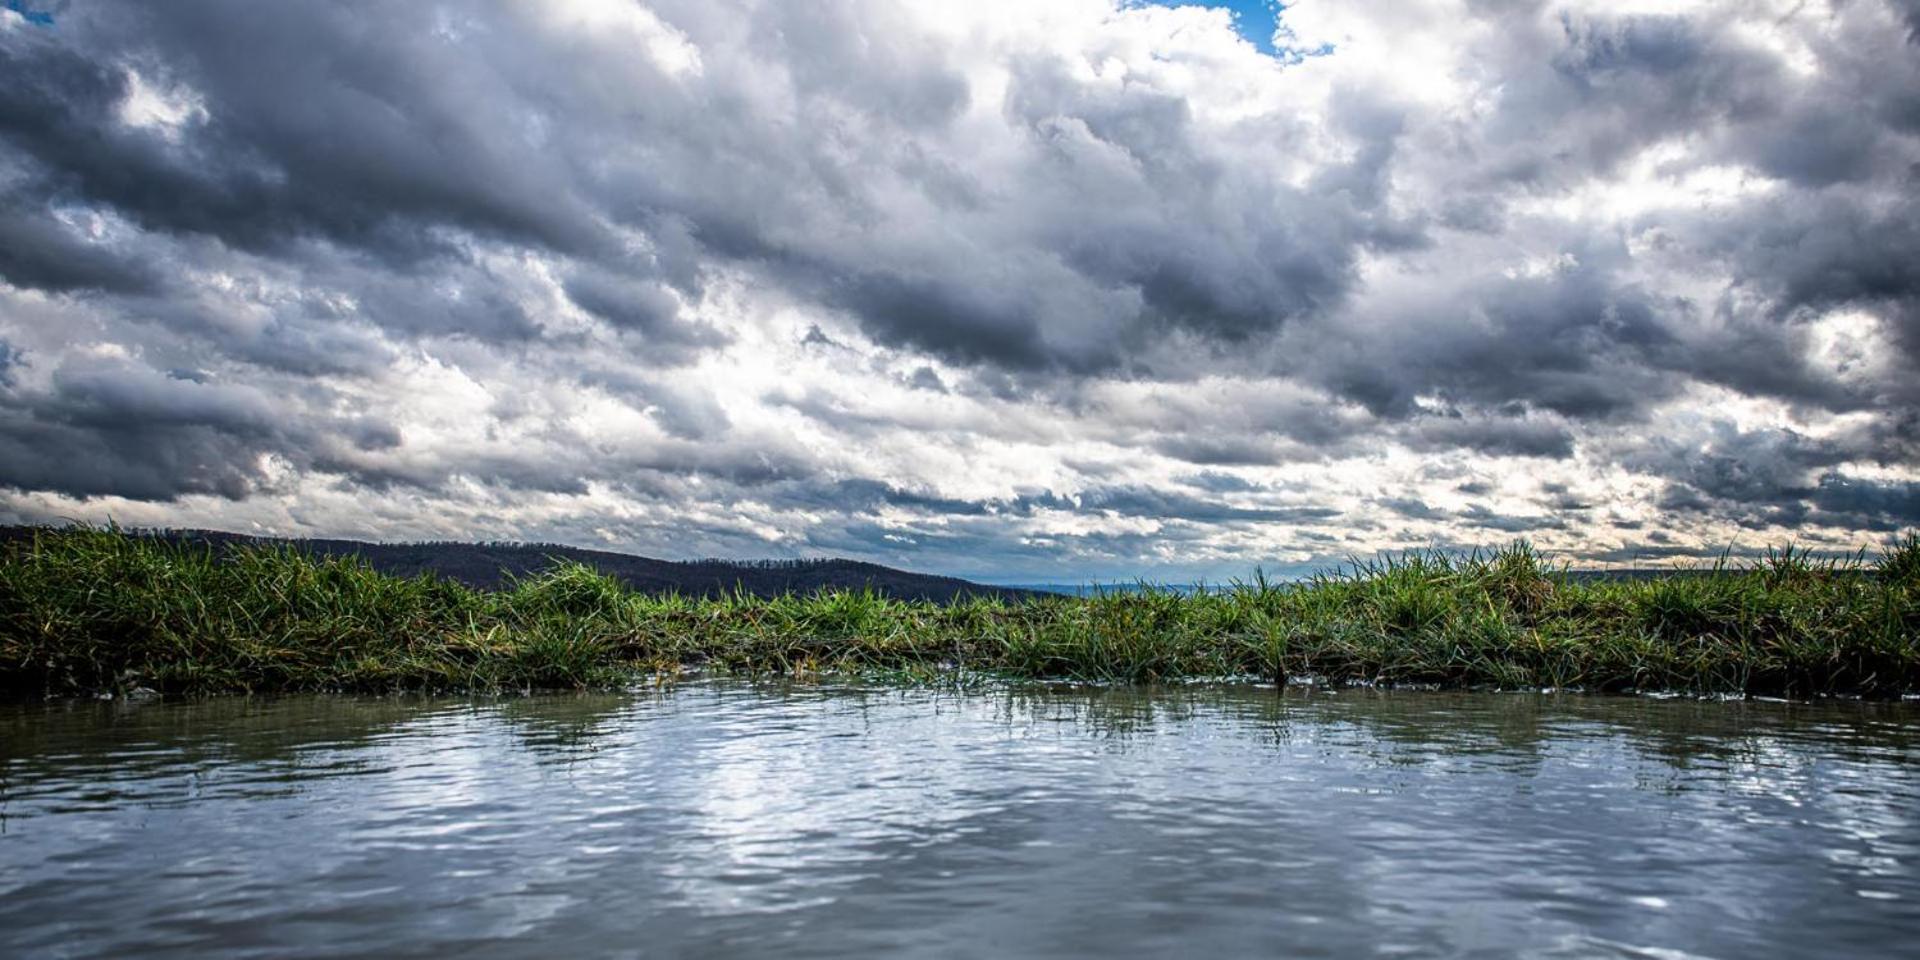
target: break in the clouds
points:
(1022, 290)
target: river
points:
(731, 819)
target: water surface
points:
(722, 820)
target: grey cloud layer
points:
(236, 238)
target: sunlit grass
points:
(88, 610)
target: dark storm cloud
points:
(115, 428)
(297, 337)
(1135, 501)
(863, 496)
(1867, 504)
(1414, 509)
(36, 250)
(1214, 482)
(1497, 436)
(1091, 251)
(635, 306)
(953, 319)
(866, 496)
(926, 378)
(1561, 498)
(1228, 450)
(1129, 162)
(1758, 467)
(1583, 94)
(1576, 341)
(1763, 478)
(1802, 258)
(1480, 516)
(314, 125)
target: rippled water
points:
(719, 820)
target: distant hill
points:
(492, 565)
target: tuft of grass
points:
(87, 610)
(1900, 564)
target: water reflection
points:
(816, 820)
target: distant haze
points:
(1071, 291)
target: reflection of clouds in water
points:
(451, 801)
(770, 796)
(1877, 839)
(860, 821)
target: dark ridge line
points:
(493, 565)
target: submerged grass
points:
(88, 610)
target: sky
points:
(1257, 21)
(1018, 290)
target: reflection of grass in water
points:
(87, 609)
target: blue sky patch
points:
(1255, 19)
(40, 17)
(1258, 21)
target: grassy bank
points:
(88, 610)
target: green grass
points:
(87, 610)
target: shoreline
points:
(88, 611)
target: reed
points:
(86, 610)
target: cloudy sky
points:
(1037, 289)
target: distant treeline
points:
(491, 565)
